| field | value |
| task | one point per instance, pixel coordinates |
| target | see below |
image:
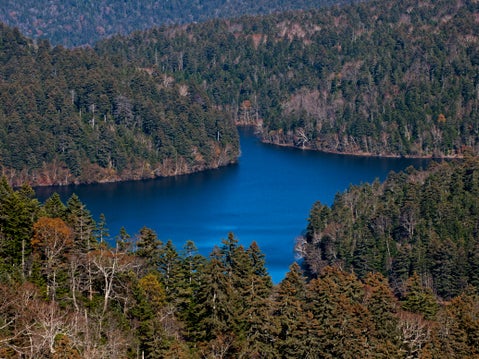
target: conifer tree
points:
(255, 293)
(289, 320)
(383, 306)
(18, 211)
(83, 226)
(213, 317)
(340, 325)
(189, 279)
(419, 299)
(54, 207)
(460, 326)
(82, 223)
(150, 301)
(124, 240)
(169, 266)
(148, 248)
(102, 233)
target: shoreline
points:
(362, 154)
(258, 134)
(38, 178)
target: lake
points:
(266, 198)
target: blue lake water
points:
(266, 198)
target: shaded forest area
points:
(76, 23)
(69, 116)
(394, 78)
(70, 290)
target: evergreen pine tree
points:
(340, 325)
(169, 266)
(188, 280)
(18, 211)
(82, 223)
(289, 321)
(150, 302)
(102, 233)
(213, 317)
(419, 299)
(54, 207)
(256, 291)
(148, 248)
(383, 306)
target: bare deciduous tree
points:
(109, 263)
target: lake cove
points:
(266, 198)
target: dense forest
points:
(415, 222)
(74, 23)
(387, 78)
(69, 116)
(389, 270)
(71, 290)
(375, 78)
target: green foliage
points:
(148, 248)
(70, 116)
(419, 221)
(164, 101)
(419, 299)
(18, 211)
(80, 295)
(213, 315)
(289, 317)
(383, 306)
(371, 78)
(79, 23)
(54, 207)
(150, 302)
(82, 223)
(391, 269)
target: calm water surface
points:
(265, 198)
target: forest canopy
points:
(70, 289)
(374, 78)
(423, 222)
(389, 270)
(383, 78)
(75, 23)
(70, 116)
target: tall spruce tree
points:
(18, 211)
(289, 319)
(82, 223)
(340, 325)
(54, 207)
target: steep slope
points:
(69, 116)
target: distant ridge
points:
(75, 23)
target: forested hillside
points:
(376, 78)
(69, 289)
(415, 222)
(387, 78)
(74, 23)
(69, 116)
